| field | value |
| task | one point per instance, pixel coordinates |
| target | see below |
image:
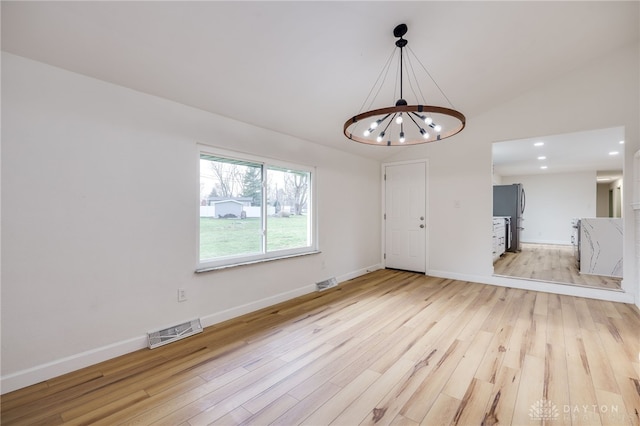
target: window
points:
(252, 210)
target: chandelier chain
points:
(385, 71)
(432, 79)
(415, 79)
(398, 83)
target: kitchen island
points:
(601, 245)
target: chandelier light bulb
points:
(437, 128)
(424, 133)
(367, 132)
(399, 119)
(380, 137)
(374, 124)
(428, 120)
(402, 139)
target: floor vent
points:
(173, 333)
(323, 285)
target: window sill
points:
(253, 262)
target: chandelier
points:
(403, 124)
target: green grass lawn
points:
(226, 237)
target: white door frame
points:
(383, 207)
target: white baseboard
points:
(218, 317)
(360, 272)
(39, 373)
(75, 362)
(550, 242)
(546, 287)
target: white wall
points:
(87, 270)
(616, 188)
(100, 217)
(552, 200)
(600, 95)
(618, 198)
(602, 204)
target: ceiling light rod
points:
(436, 118)
(400, 31)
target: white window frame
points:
(238, 260)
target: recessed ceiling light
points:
(538, 144)
(614, 153)
(542, 157)
(543, 167)
(621, 142)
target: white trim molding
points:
(39, 373)
(543, 286)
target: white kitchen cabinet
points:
(499, 237)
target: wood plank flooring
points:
(550, 262)
(387, 348)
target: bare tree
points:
(228, 178)
(296, 187)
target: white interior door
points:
(405, 216)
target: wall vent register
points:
(326, 284)
(173, 333)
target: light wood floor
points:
(549, 262)
(390, 347)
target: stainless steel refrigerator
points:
(510, 200)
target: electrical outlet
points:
(182, 295)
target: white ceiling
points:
(302, 68)
(587, 151)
